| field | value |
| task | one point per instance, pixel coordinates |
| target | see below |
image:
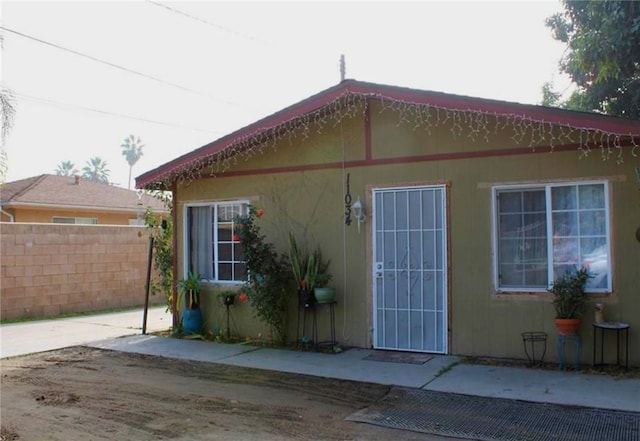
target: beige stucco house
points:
(470, 208)
(73, 200)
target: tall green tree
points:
(132, 152)
(602, 56)
(96, 170)
(66, 168)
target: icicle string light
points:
(476, 124)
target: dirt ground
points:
(89, 394)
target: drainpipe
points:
(9, 215)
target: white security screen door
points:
(410, 269)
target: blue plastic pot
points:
(192, 321)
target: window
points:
(544, 230)
(213, 249)
(75, 220)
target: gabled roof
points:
(320, 106)
(69, 192)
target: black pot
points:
(306, 298)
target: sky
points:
(178, 75)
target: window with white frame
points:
(541, 231)
(74, 220)
(213, 248)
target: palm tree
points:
(96, 170)
(66, 168)
(132, 151)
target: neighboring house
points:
(472, 206)
(72, 200)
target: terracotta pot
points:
(568, 326)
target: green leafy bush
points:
(160, 229)
(269, 283)
(569, 296)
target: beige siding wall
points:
(39, 215)
(311, 203)
(53, 269)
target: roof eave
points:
(14, 204)
(582, 120)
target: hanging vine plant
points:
(160, 229)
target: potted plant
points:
(311, 274)
(227, 297)
(301, 265)
(189, 293)
(322, 292)
(569, 300)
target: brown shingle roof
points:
(52, 190)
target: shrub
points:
(268, 282)
(569, 296)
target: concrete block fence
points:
(49, 269)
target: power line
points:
(104, 112)
(117, 66)
(307, 66)
(202, 20)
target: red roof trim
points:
(401, 160)
(437, 99)
(309, 105)
(458, 102)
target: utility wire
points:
(116, 66)
(202, 20)
(104, 112)
(307, 66)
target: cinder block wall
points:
(50, 269)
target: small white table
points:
(611, 326)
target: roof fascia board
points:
(554, 116)
(76, 207)
(306, 106)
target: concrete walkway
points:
(45, 335)
(122, 332)
(441, 373)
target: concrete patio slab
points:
(347, 365)
(46, 335)
(183, 349)
(547, 386)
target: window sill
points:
(545, 295)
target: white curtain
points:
(201, 241)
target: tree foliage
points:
(160, 229)
(66, 168)
(96, 170)
(602, 57)
(7, 114)
(132, 152)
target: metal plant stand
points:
(531, 341)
